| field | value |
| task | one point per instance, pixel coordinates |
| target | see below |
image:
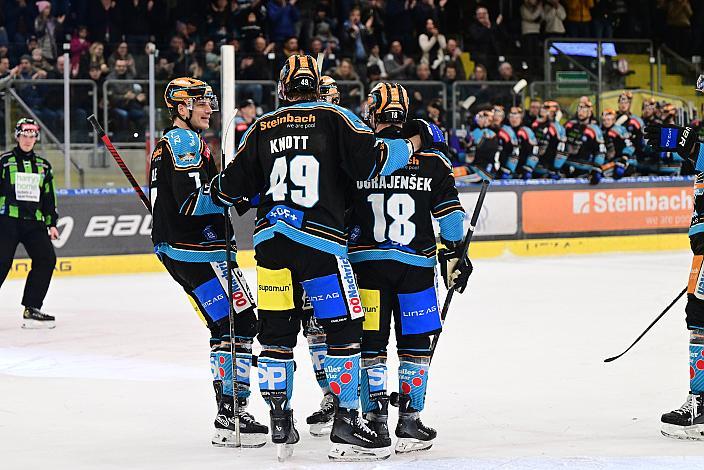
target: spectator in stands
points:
(603, 17)
(212, 61)
(250, 31)
(422, 11)
(126, 100)
(506, 72)
(96, 74)
(432, 45)
(449, 77)
(420, 96)
(503, 95)
(52, 111)
(316, 47)
(94, 58)
(39, 63)
(679, 26)
(375, 15)
(283, 16)
(481, 92)
(354, 35)
(345, 71)
(179, 55)
(31, 93)
(398, 66)
(245, 117)
(20, 16)
(376, 60)
(79, 47)
(532, 16)
(452, 57)
(219, 19)
(104, 21)
(49, 29)
(435, 114)
(122, 52)
(484, 38)
(373, 74)
(330, 42)
(141, 14)
(141, 61)
(400, 26)
(579, 18)
(256, 66)
(554, 14)
(290, 47)
(533, 113)
(7, 74)
(163, 69)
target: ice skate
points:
(252, 433)
(412, 434)
(283, 430)
(353, 441)
(378, 421)
(686, 422)
(34, 319)
(321, 421)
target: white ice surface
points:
(123, 382)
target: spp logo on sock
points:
(580, 202)
(377, 379)
(272, 376)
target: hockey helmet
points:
(299, 75)
(27, 127)
(387, 102)
(625, 96)
(328, 90)
(608, 117)
(187, 90)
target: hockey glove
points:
(455, 273)
(670, 138)
(431, 136)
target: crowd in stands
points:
(362, 41)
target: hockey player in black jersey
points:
(552, 141)
(687, 422)
(620, 151)
(528, 149)
(392, 248)
(300, 160)
(189, 238)
(585, 144)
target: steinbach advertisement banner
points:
(606, 210)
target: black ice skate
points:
(378, 421)
(252, 433)
(412, 434)
(320, 422)
(686, 422)
(353, 441)
(283, 431)
(34, 319)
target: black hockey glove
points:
(670, 138)
(242, 205)
(431, 136)
(454, 272)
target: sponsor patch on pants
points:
(275, 289)
(419, 312)
(326, 296)
(371, 303)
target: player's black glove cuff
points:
(670, 138)
(431, 136)
(455, 272)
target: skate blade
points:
(38, 325)
(226, 438)
(352, 453)
(405, 445)
(691, 433)
(284, 452)
(321, 429)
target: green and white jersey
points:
(27, 187)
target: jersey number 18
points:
(400, 207)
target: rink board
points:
(106, 231)
(144, 263)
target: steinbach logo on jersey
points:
(286, 119)
(417, 183)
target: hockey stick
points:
(120, 162)
(230, 305)
(465, 249)
(679, 296)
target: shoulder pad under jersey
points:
(636, 122)
(559, 130)
(348, 116)
(511, 134)
(185, 147)
(480, 134)
(529, 135)
(437, 154)
(598, 135)
(620, 131)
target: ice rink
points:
(124, 380)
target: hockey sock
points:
(696, 361)
(275, 366)
(243, 351)
(221, 365)
(373, 382)
(318, 349)
(413, 379)
(342, 371)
